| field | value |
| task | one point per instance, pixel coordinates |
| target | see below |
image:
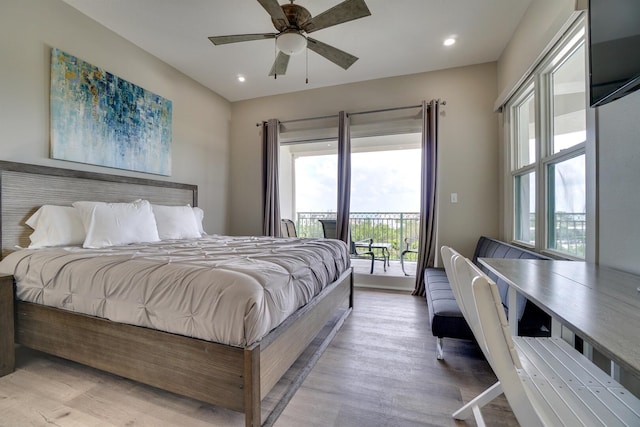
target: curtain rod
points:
(443, 102)
(310, 118)
(384, 110)
(302, 120)
(438, 101)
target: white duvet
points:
(231, 290)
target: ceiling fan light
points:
(291, 43)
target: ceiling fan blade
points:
(333, 54)
(277, 14)
(279, 67)
(241, 38)
(343, 12)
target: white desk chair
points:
(462, 292)
(485, 310)
(458, 281)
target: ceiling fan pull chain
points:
(275, 55)
(307, 65)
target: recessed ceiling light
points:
(241, 79)
(450, 41)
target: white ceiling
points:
(400, 37)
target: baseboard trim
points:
(384, 282)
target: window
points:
(547, 130)
(384, 193)
(525, 189)
(524, 141)
(526, 129)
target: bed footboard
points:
(231, 377)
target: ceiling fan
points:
(293, 22)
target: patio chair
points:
(361, 248)
(288, 228)
(408, 249)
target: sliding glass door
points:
(385, 191)
(308, 184)
(385, 178)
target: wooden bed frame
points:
(230, 377)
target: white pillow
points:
(111, 224)
(199, 213)
(55, 226)
(84, 210)
(176, 222)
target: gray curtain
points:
(344, 177)
(271, 196)
(429, 167)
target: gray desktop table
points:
(599, 304)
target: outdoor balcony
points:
(382, 227)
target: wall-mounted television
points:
(614, 42)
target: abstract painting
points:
(102, 119)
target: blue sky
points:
(381, 181)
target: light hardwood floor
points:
(380, 370)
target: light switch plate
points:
(454, 197)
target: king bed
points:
(182, 327)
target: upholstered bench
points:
(445, 315)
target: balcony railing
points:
(387, 227)
(567, 233)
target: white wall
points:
(468, 143)
(28, 31)
(618, 134)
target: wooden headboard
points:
(24, 188)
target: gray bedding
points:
(231, 290)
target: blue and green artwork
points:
(101, 119)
